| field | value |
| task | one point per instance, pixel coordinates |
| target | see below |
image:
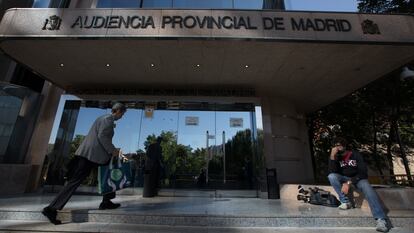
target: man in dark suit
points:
(152, 168)
(96, 149)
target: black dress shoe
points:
(51, 215)
(108, 205)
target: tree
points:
(378, 118)
(177, 159)
(74, 145)
(372, 117)
(386, 6)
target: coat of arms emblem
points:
(52, 23)
(369, 27)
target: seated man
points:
(347, 168)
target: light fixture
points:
(246, 66)
(406, 73)
(152, 65)
(108, 65)
(198, 65)
(62, 65)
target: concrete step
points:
(207, 220)
(197, 212)
(394, 198)
(42, 226)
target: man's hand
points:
(335, 150)
(345, 188)
(123, 157)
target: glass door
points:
(231, 166)
(160, 123)
(195, 137)
(203, 145)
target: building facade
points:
(193, 71)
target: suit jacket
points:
(97, 145)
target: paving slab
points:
(197, 212)
(41, 226)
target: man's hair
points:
(340, 140)
(118, 106)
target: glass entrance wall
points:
(18, 106)
(191, 4)
(204, 145)
(236, 133)
(195, 141)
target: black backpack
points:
(317, 196)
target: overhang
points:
(308, 58)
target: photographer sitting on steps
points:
(347, 168)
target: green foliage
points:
(180, 159)
(177, 158)
(365, 117)
(386, 6)
(239, 153)
(74, 145)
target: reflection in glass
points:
(186, 4)
(274, 4)
(41, 3)
(11, 100)
(204, 4)
(157, 4)
(236, 129)
(51, 3)
(160, 121)
(196, 135)
(9, 110)
(248, 4)
(127, 131)
(18, 109)
(65, 145)
(118, 4)
(212, 147)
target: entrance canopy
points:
(311, 59)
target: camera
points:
(302, 190)
(304, 195)
(303, 198)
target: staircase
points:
(191, 214)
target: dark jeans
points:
(80, 171)
(363, 185)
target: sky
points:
(130, 140)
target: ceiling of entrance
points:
(309, 74)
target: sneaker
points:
(382, 225)
(344, 206)
(108, 205)
(51, 215)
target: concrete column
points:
(286, 143)
(40, 139)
